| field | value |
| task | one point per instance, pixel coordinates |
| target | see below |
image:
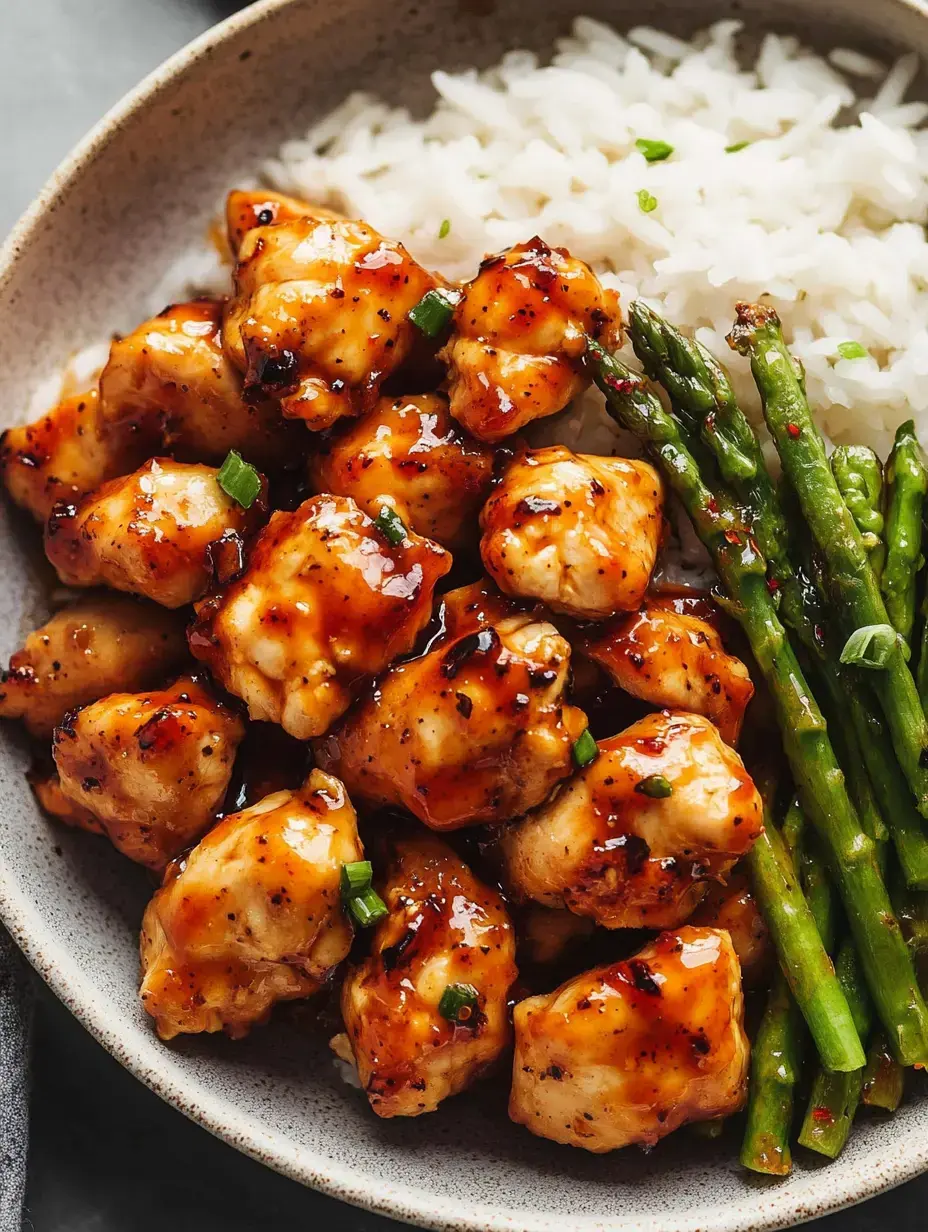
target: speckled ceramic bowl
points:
(81, 262)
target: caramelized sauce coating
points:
(475, 731)
(519, 335)
(252, 915)
(445, 927)
(629, 1052)
(98, 645)
(733, 907)
(326, 600)
(148, 533)
(319, 318)
(251, 208)
(605, 848)
(409, 453)
(676, 660)
(152, 767)
(578, 532)
(46, 787)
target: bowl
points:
(82, 262)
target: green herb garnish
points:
(852, 350)
(654, 151)
(646, 203)
(585, 749)
(367, 908)
(239, 479)
(655, 786)
(872, 646)
(433, 313)
(390, 525)
(736, 147)
(445, 228)
(458, 1003)
(356, 878)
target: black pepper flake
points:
(642, 977)
(482, 643)
(465, 705)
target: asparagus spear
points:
(907, 484)
(757, 333)
(859, 476)
(816, 772)
(884, 1079)
(921, 669)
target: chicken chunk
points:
(519, 336)
(98, 645)
(62, 455)
(445, 928)
(252, 915)
(152, 767)
(411, 454)
(676, 660)
(733, 907)
(629, 1052)
(475, 731)
(319, 319)
(326, 601)
(246, 210)
(170, 385)
(633, 839)
(149, 533)
(579, 532)
(46, 787)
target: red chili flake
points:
(621, 386)
(712, 505)
(773, 585)
(820, 1113)
(793, 429)
(732, 536)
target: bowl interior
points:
(84, 265)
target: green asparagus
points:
(907, 484)
(884, 1079)
(859, 476)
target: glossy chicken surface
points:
(410, 453)
(319, 320)
(578, 532)
(169, 383)
(732, 906)
(326, 600)
(674, 659)
(445, 927)
(61, 456)
(476, 731)
(148, 533)
(629, 1052)
(259, 207)
(519, 336)
(46, 787)
(98, 645)
(605, 848)
(153, 767)
(252, 915)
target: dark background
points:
(106, 1154)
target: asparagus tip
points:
(748, 318)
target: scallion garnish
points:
(445, 228)
(433, 312)
(852, 350)
(585, 749)
(646, 203)
(458, 1003)
(736, 147)
(390, 525)
(239, 479)
(655, 786)
(367, 908)
(872, 646)
(356, 878)
(654, 151)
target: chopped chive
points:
(656, 786)
(356, 878)
(585, 749)
(736, 147)
(852, 350)
(390, 525)
(458, 1003)
(445, 228)
(433, 313)
(872, 646)
(367, 908)
(239, 479)
(646, 203)
(654, 151)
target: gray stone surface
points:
(106, 1154)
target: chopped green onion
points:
(368, 908)
(654, 151)
(646, 203)
(585, 749)
(458, 1002)
(872, 646)
(445, 228)
(655, 786)
(356, 878)
(239, 479)
(433, 313)
(736, 147)
(852, 350)
(390, 525)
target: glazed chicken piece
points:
(326, 601)
(149, 533)
(579, 532)
(253, 915)
(673, 659)
(62, 455)
(445, 928)
(251, 208)
(519, 336)
(475, 731)
(170, 385)
(733, 907)
(96, 646)
(633, 839)
(46, 787)
(319, 316)
(627, 1053)
(409, 453)
(153, 768)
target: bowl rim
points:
(776, 1206)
